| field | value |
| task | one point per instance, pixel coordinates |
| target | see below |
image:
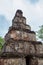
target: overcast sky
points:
(32, 10)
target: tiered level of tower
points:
(21, 47)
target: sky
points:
(32, 10)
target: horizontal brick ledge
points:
(24, 30)
(33, 42)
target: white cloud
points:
(33, 12)
(6, 8)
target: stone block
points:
(23, 48)
(36, 61)
(19, 20)
(20, 35)
(13, 61)
(39, 49)
(28, 27)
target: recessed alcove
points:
(28, 58)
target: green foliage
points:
(0, 46)
(40, 33)
(1, 42)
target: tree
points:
(0, 46)
(40, 33)
(1, 42)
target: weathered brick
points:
(17, 35)
(36, 61)
(13, 61)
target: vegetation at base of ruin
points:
(40, 33)
(1, 42)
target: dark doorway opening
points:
(28, 58)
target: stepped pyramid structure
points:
(21, 47)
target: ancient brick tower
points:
(21, 47)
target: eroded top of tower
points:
(19, 13)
